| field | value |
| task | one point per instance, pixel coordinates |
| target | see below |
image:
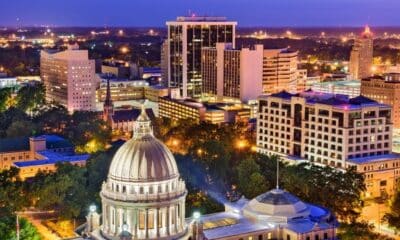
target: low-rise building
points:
(216, 113)
(344, 87)
(35, 154)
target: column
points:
(157, 221)
(168, 221)
(136, 222)
(176, 217)
(146, 216)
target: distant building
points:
(346, 87)
(215, 113)
(280, 71)
(384, 89)
(122, 119)
(69, 78)
(119, 69)
(35, 154)
(164, 63)
(186, 37)
(232, 73)
(121, 89)
(331, 130)
(361, 56)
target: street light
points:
(196, 215)
(92, 208)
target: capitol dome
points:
(143, 159)
(277, 206)
(144, 193)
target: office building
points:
(279, 71)
(121, 89)
(232, 73)
(69, 78)
(116, 68)
(384, 89)
(147, 201)
(345, 87)
(186, 37)
(361, 56)
(35, 154)
(328, 129)
(215, 113)
(164, 63)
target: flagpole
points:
(17, 227)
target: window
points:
(150, 219)
(141, 219)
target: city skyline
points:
(312, 13)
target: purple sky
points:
(156, 12)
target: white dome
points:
(143, 159)
(276, 205)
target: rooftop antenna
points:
(277, 173)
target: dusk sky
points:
(156, 12)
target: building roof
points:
(51, 157)
(22, 143)
(129, 115)
(378, 158)
(143, 158)
(337, 100)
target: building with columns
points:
(144, 198)
(143, 190)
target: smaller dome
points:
(276, 205)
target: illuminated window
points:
(141, 219)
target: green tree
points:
(8, 117)
(317, 184)
(393, 217)
(64, 190)
(12, 192)
(30, 97)
(251, 181)
(5, 97)
(359, 231)
(21, 129)
(8, 229)
(53, 120)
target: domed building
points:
(144, 198)
(143, 194)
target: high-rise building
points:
(186, 37)
(69, 78)
(384, 89)
(280, 70)
(360, 65)
(232, 73)
(164, 63)
(323, 128)
(328, 129)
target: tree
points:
(8, 117)
(251, 181)
(318, 184)
(12, 192)
(53, 119)
(5, 97)
(393, 217)
(64, 190)
(30, 97)
(8, 229)
(22, 128)
(359, 231)
(87, 132)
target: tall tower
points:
(186, 37)
(69, 77)
(361, 55)
(108, 107)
